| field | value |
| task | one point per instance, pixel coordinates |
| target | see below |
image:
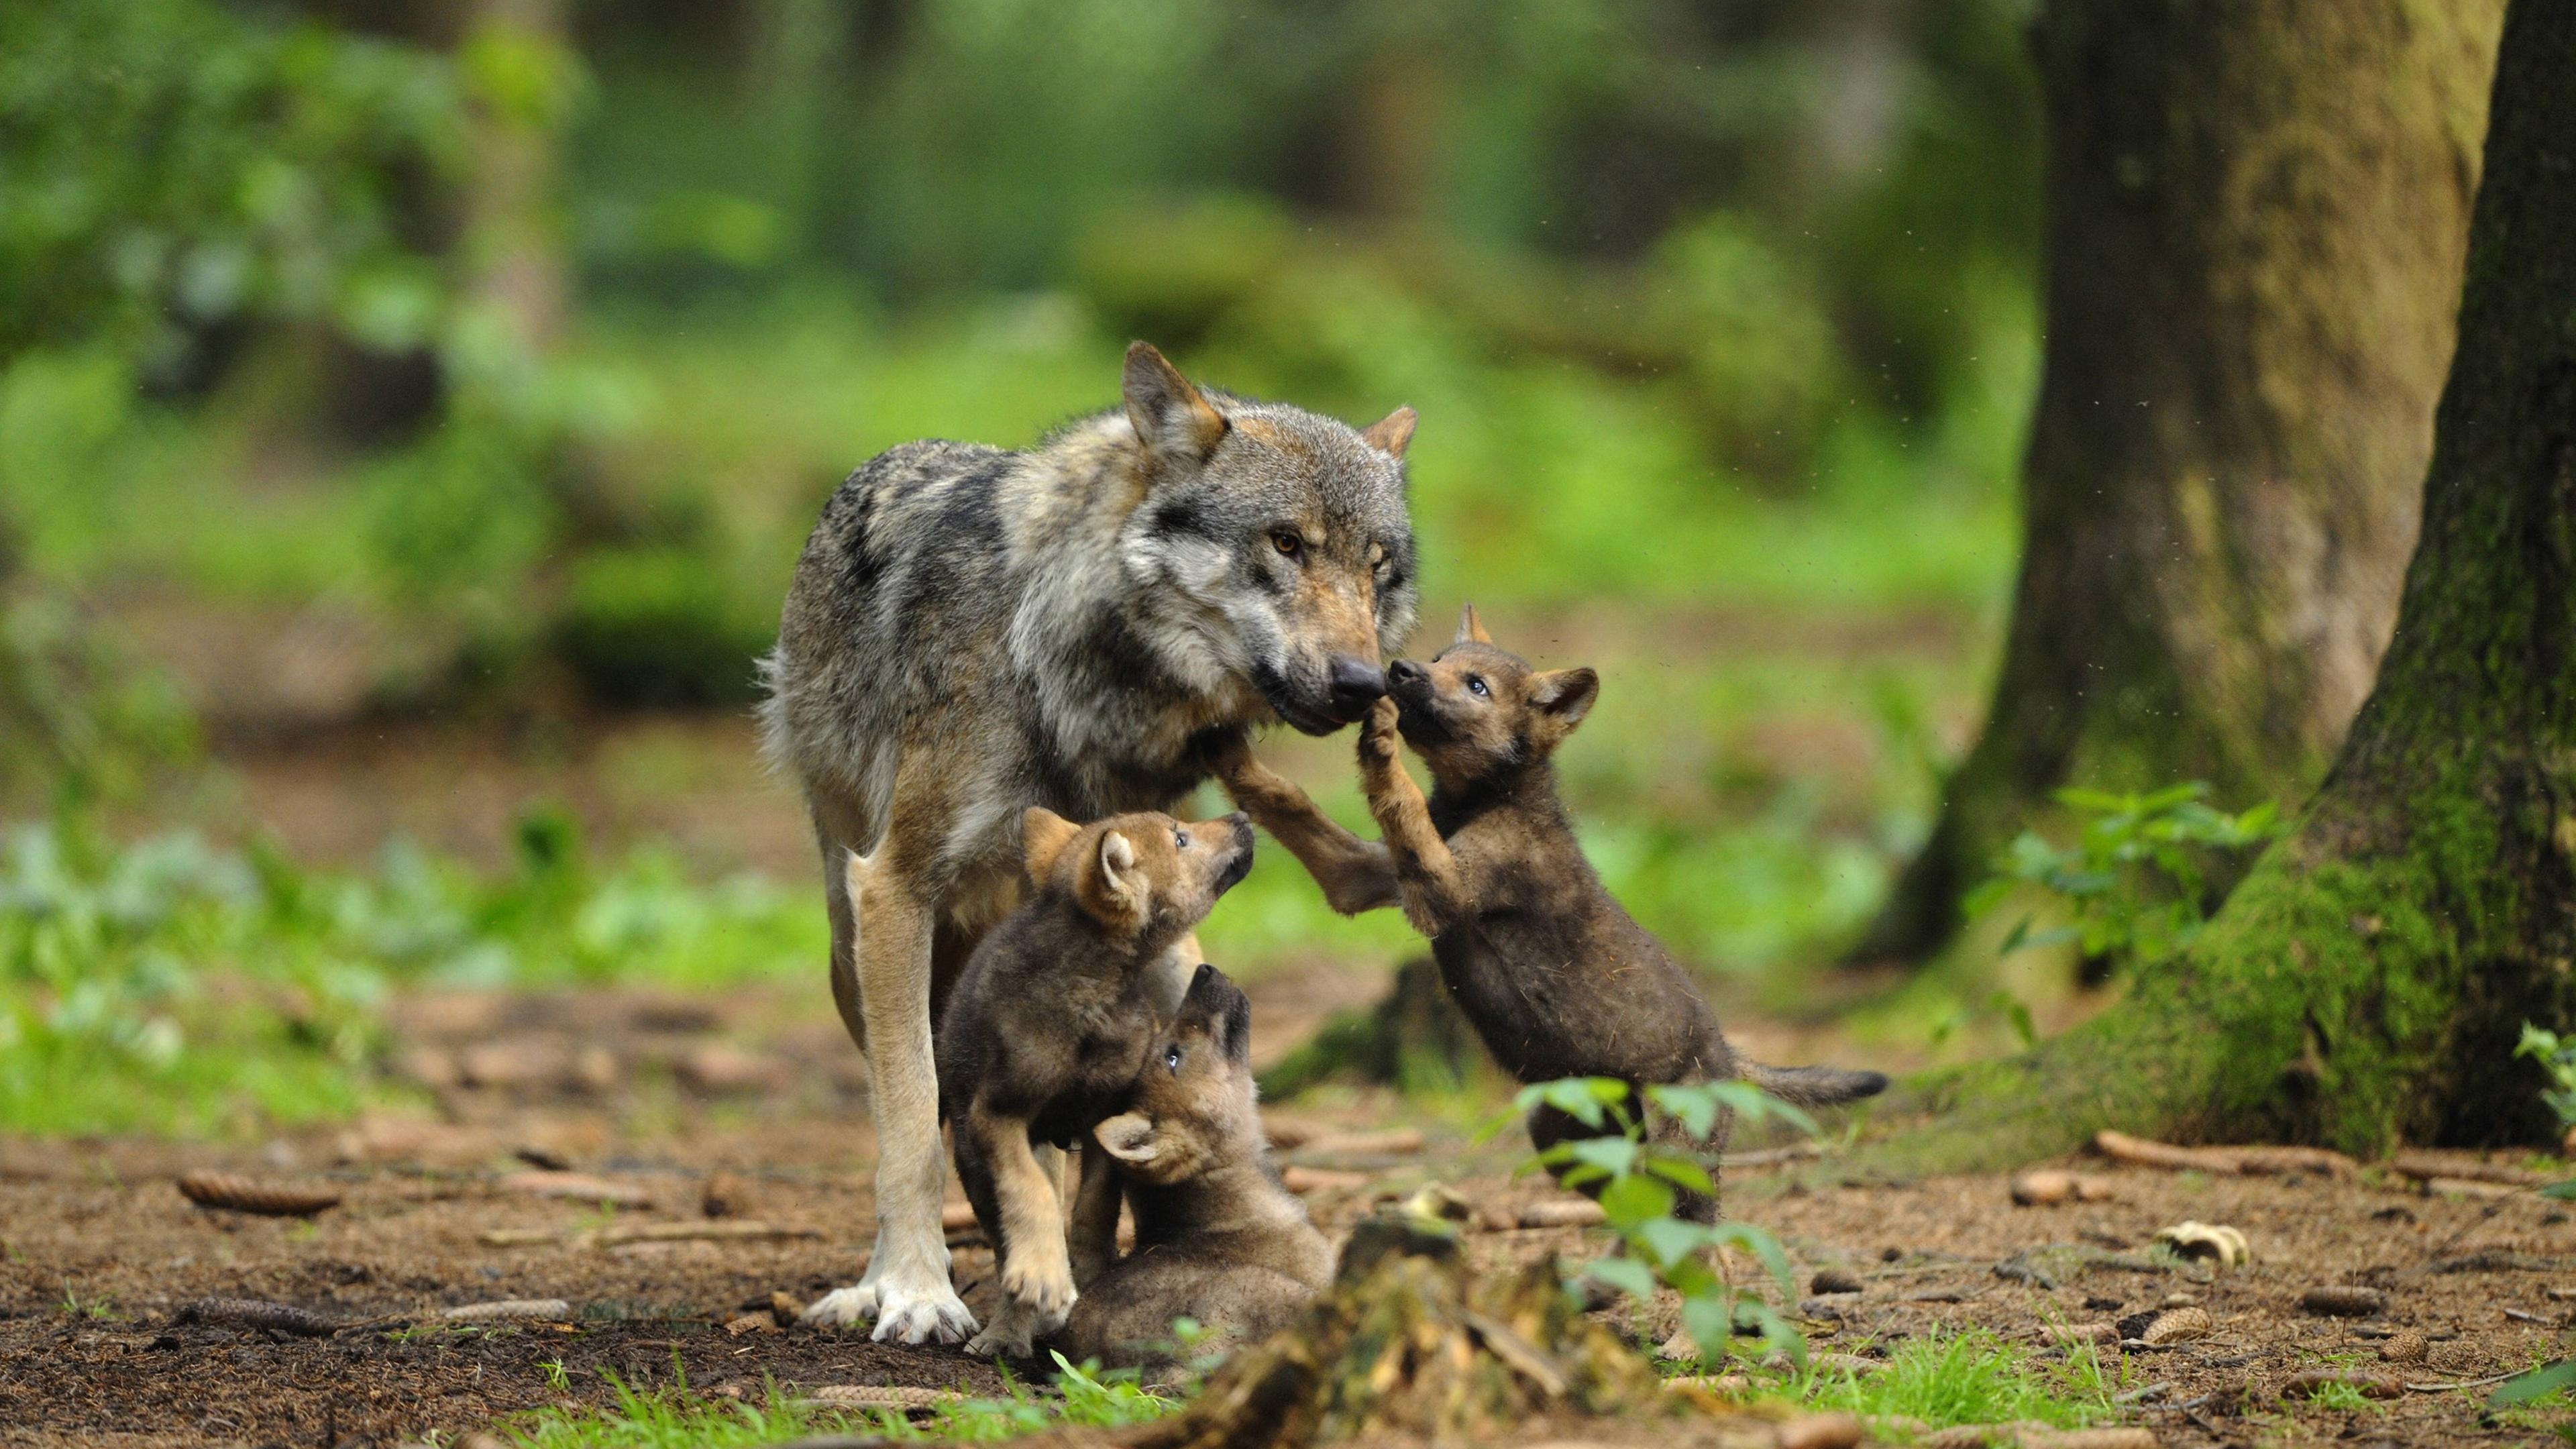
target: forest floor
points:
(660, 1097)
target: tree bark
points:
(2255, 216)
(2366, 983)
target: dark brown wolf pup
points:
(1556, 977)
(1051, 1016)
(1218, 1239)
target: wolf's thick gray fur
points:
(1080, 625)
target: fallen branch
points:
(577, 1187)
(719, 1230)
(2224, 1161)
(257, 1313)
(2427, 1167)
(508, 1310)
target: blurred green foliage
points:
(173, 986)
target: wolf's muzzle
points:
(1240, 865)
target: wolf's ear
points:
(1563, 697)
(1111, 886)
(1389, 434)
(1129, 1137)
(1043, 836)
(1471, 630)
(1171, 417)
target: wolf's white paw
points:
(1040, 1282)
(928, 1312)
(843, 1306)
(1002, 1341)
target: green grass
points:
(678, 1418)
(1968, 1377)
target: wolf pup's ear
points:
(1471, 630)
(1043, 836)
(1563, 697)
(1389, 434)
(1111, 887)
(1129, 1137)
(1171, 417)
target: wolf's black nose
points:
(1356, 682)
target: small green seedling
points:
(2135, 879)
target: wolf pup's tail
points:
(1812, 1086)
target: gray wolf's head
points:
(1477, 711)
(1192, 1106)
(1270, 544)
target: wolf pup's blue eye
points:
(1476, 686)
(1172, 1058)
(1181, 838)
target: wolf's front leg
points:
(1434, 888)
(1355, 874)
(1037, 1281)
(906, 1285)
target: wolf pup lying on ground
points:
(1218, 1239)
(973, 631)
(1050, 1019)
(1556, 977)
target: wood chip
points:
(2307, 1383)
(1302, 1180)
(249, 1195)
(577, 1187)
(503, 1310)
(751, 1323)
(879, 1396)
(1560, 1212)
(1820, 1431)
(257, 1313)
(2049, 1185)
(2343, 1300)
(725, 1195)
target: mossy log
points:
(2366, 984)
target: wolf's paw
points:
(1378, 739)
(1042, 1284)
(843, 1307)
(1003, 1340)
(925, 1312)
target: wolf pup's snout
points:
(1239, 864)
(1356, 684)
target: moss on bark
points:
(2255, 218)
(2365, 984)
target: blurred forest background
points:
(409, 412)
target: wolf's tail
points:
(1812, 1086)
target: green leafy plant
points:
(2135, 881)
(1638, 1172)
(2557, 1056)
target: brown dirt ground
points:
(100, 1251)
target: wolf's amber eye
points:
(1476, 686)
(1287, 543)
(1181, 838)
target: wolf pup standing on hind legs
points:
(1081, 626)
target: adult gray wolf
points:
(1556, 977)
(1080, 625)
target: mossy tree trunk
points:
(2254, 223)
(2365, 984)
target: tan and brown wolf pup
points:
(1557, 978)
(1218, 1238)
(1050, 1019)
(973, 631)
